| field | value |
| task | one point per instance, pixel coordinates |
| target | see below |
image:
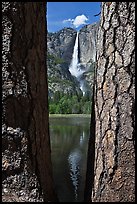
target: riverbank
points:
(70, 115)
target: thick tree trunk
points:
(25, 94)
(114, 166)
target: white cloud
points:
(68, 20)
(78, 21)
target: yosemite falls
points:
(71, 60)
(74, 68)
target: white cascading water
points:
(74, 66)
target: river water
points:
(69, 143)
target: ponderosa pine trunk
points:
(25, 98)
(111, 173)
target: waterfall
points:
(74, 66)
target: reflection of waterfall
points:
(82, 137)
(74, 163)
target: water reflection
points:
(74, 163)
(82, 138)
(69, 140)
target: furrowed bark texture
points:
(114, 167)
(25, 94)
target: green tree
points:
(56, 96)
(52, 108)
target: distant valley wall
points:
(60, 45)
(87, 43)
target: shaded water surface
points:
(69, 143)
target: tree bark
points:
(114, 166)
(25, 92)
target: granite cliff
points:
(60, 48)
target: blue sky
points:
(71, 14)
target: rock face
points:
(87, 43)
(111, 174)
(59, 77)
(60, 47)
(61, 43)
(87, 52)
(26, 161)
